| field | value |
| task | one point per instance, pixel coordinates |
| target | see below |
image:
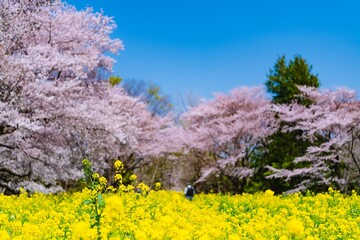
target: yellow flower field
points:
(168, 215)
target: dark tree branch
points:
(14, 173)
(7, 146)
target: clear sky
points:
(206, 46)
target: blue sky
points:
(205, 46)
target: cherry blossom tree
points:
(54, 111)
(80, 121)
(334, 119)
(47, 40)
(229, 129)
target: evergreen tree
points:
(283, 147)
(284, 79)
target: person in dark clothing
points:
(189, 192)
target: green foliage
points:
(154, 90)
(98, 186)
(283, 147)
(96, 201)
(157, 103)
(114, 80)
(150, 93)
(285, 77)
(280, 152)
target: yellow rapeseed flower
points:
(295, 227)
(103, 181)
(157, 186)
(82, 230)
(133, 177)
(95, 176)
(269, 192)
(86, 162)
(119, 166)
(118, 178)
(168, 215)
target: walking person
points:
(189, 192)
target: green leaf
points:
(87, 201)
(115, 80)
(101, 200)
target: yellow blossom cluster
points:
(168, 215)
(119, 166)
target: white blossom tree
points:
(333, 118)
(54, 110)
(230, 128)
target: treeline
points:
(58, 106)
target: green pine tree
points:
(285, 77)
(283, 147)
